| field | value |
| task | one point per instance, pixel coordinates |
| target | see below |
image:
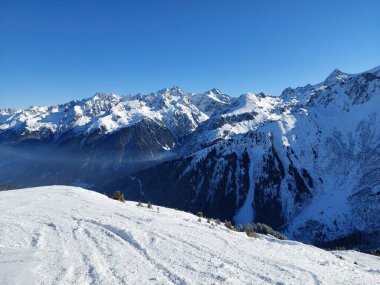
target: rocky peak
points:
(336, 76)
(215, 91)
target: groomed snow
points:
(68, 235)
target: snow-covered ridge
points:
(183, 112)
(69, 235)
(173, 108)
(340, 88)
(338, 92)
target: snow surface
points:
(68, 235)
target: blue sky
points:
(54, 51)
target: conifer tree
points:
(118, 196)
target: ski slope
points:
(68, 235)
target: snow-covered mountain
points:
(246, 113)
(211, 101)
(103, 136)
(69, 235)
(174, 109)
(306, 163)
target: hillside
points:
(75, 236)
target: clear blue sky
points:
(53, 51)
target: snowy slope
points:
(67, 235)
(211, 101)
(244, 114)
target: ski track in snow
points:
(67, 235)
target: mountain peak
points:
(336, 74)
(249, 95)
(175, 90)
(8, 111)
(215, 91)
(100, 96)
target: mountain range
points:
(306, 162)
